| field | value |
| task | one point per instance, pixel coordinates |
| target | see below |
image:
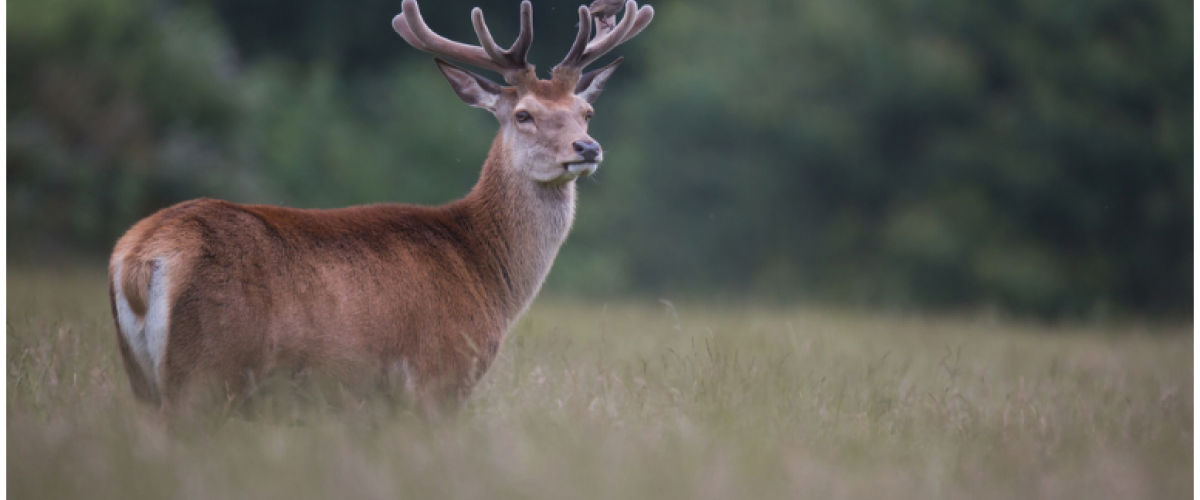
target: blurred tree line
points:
(1031, 154)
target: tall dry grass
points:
(644, 400)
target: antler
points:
(583, 52)
(511, 63)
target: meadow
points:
(645, 399)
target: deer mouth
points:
(582, 168)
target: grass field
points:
(645, 400)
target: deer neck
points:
(520, 225)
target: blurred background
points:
(1031, 156)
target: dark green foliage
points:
(1031, 154)
(114, 110)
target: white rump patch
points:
(147, 337)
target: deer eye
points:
(524, 117)
(588, 116)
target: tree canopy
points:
(1033, 154)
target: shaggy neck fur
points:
(521, 225)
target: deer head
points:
(543, 123)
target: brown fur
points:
(348, 292)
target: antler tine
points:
(581, 39)
(485, 37)
(411, 26)
(645, 15)
(524, 41)
(515, 56)
(633, 22)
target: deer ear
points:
(473, 89)
(592, 83)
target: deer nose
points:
(588, 149)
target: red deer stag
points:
(410, 300)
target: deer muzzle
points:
(589, 155)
